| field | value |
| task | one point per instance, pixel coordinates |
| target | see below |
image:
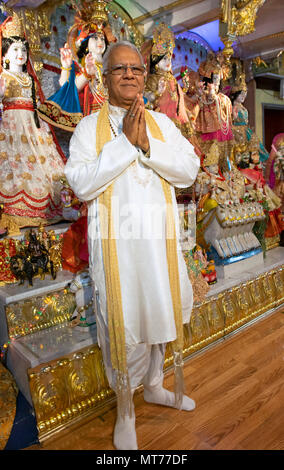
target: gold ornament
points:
(253, 145)
(212, 157)
(13, 26)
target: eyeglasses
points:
(122, 69)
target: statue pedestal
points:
(27, 316)
(233, 269)
(40, 348)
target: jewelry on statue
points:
(22, 78)
(206, 103)
(67, 69)
(222, 117)
(85, 307)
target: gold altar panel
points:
(40, 312)
(67, 388)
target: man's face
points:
(124, 88)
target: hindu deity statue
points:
(225, 220)
(82, 91)
(192, 89)
(162, 91)
(32, 162)
(241, 130)
(258, 190)
(214, 120)
(274, 169)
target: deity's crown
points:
(91, 12)
(240, 147)
(253, 144)
(13, 26)
(240, 84)
(163, 40)
(212, 157)
(210, 65)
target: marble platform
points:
(14, 293)
(42, 347)
(225, 271)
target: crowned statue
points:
(81, 85)
(192, 87)
(241, 130)
(226, 212)
(257, 189)
(32, 162)
(82, 92)
(162, 91)
(274, 170)
(214, 120)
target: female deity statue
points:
(32, 163)
(82, 91)
(162, 91)
(214, 120)
(242, 133)
(274, 169)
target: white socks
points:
(161, 396)
(124, 437)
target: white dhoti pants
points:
(145, 362)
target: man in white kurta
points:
(139, 215)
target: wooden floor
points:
(238, 387)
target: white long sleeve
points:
(90, 174)
(175, 159)
(139, 220)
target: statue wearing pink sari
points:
(162, 91)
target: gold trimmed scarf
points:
(112, 279)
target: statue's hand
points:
(161, 86)
(66, 56)
(211, 89)
(90, 65)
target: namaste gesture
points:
(134, 124)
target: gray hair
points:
(113, 46)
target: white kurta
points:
(138, 208)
